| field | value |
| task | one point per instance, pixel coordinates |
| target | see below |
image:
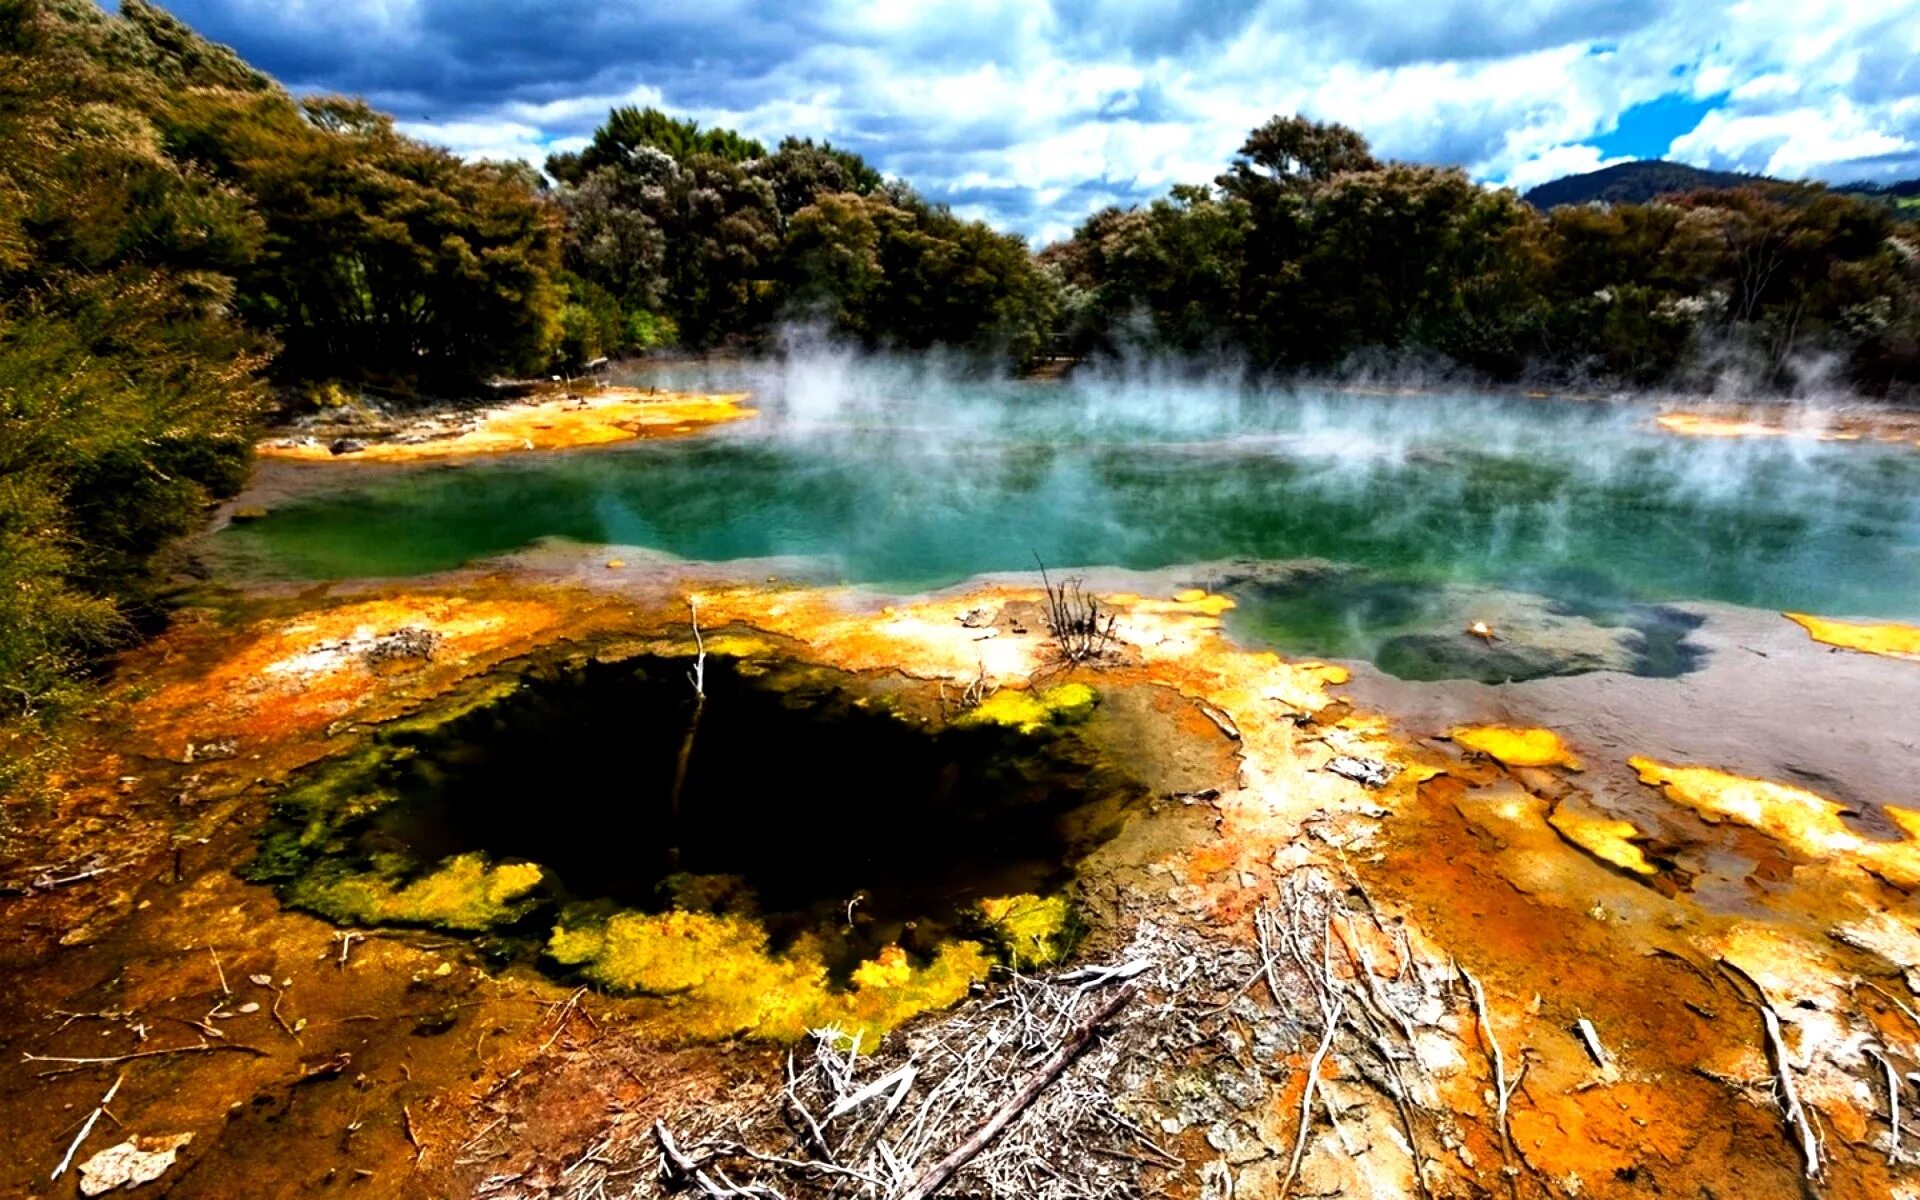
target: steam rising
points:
(912, 472)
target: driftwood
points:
(935, 1177)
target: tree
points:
(384, 258)
(801, 172)
(1292, 152)
(628, 129)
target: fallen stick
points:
(107, 1099)
(1794, 1113)
(1591, 1037)
(936, 1177)
(1220, 718)
(1500, 1089)
(1893, 1103)
(1332, 1011)
(81, 1064)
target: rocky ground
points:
(1348, 949)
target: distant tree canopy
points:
(1309, 252)
(678, 233)
(629, 129)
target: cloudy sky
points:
(1031, 113)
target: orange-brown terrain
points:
(1469, 978)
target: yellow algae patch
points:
(1037, 931)
(462, 893)
(613, 415)
(1893, 641)
(1606, 838)
(1795, 817)
(1516, 746)
(1030, 710)
(724, 980)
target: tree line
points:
(1309, 253)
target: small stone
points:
(133, 1162)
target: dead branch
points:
(1590, 1037)
(1318, 970)
(1893, 1103)
(1501, 1090)
(1786, 1092)
(94, 1117)
(698, 676)
(81, 1064)
(1082, 631)
(935, 1177)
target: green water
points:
(899, 478)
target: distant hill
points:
(1639, 182)
(1634, 183)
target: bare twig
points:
(81, 1064)
(1785, 1090)
(1082, 630)
(94, 1116)
(1501, 1090)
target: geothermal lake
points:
(1347, 523)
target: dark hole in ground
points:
(804, 791)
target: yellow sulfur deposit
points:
(1893, 641)
(1032, 709)
(1517, 747)
(462, 893)
(725, 981)
(1605, 838)
(611, 415)
(1036, 930)
(1795, 817)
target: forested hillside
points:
(1634, 183)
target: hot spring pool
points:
(1345, 523)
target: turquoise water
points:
(898, 477)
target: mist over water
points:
(902, 473)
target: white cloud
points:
(1033, 112)
(1556, 162)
